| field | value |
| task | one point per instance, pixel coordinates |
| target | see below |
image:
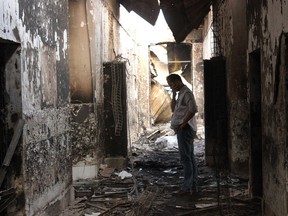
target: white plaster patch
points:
(82, 24)
(37, 42)
(57, 47)
(65, 43)
(9, 11)
(57, 52)
(55, 36)
(84, 172)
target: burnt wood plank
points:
(11, 149)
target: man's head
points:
(175, 82)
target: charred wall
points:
(268, 29)
(231, 39)
(41, 30)
(266, 42)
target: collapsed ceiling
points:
(182, 16)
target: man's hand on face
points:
(174, 87)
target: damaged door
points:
(115, 115)
(216, 150)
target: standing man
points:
(184, 124)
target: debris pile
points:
(146, 186)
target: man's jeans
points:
(185, 139)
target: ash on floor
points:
(146, 186)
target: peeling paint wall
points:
(232, 41)
(42, 33)
(267, 20)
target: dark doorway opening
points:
(10, 114)
(284, 64)
(215, 93)
(255, 124)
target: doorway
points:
(284, 64)
(10, 114)
(255, 124)
(215, 93)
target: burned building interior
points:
(85, 106)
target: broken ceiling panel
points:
(147, 9)
(182, 16)
(196, 10)
(176, 18)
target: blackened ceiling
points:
(182, 16)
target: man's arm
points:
(191, 103)
(173, 102)
(186, 119)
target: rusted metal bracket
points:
(11, 150)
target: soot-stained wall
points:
(230, 29)
(268, 27)
(265, 36)
(41, 30)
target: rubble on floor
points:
(146, 186)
